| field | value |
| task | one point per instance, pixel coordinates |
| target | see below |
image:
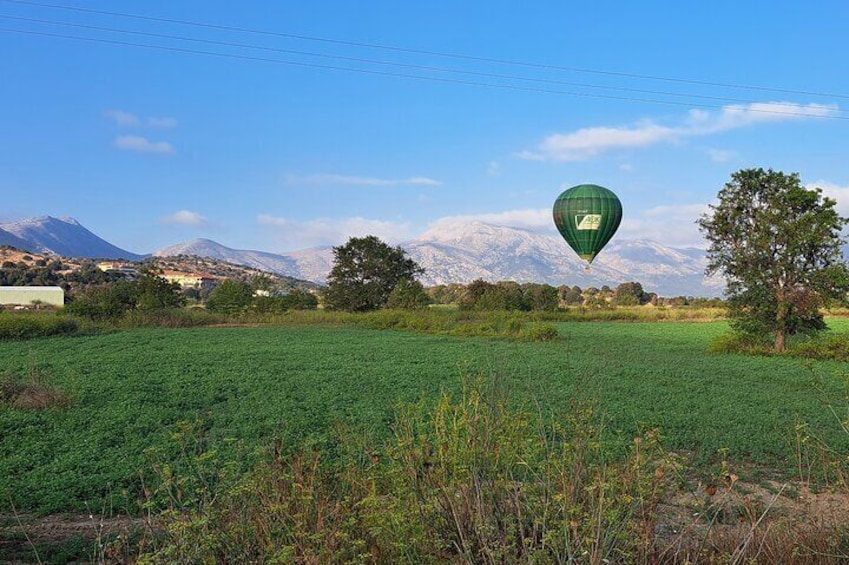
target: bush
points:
(229, 297)
(471, 479)
(32, 392)
(170, 318)
(28, 326)
(737, 342)
(833, 347)
(542, 332)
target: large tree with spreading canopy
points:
(778, 244)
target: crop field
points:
(246, 387)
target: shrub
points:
(833, 347)
(32, 392)
(28, 326)
(229, 297)
(471, 479)
(542, 332)
(170, 318)
(737, 342)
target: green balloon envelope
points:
(587, 216)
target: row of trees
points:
(777, 243)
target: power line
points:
(377, 61)
(427, 52)
(408, 75)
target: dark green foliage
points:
(110, 301)
(408, 295)
(778, 245)
(104, 302)
(484, 296)
(571, 296)
(278, 304)
(365, 270)
(630, 294)
(540, 297)
(833, 346)
(230, 296)
(155, 293)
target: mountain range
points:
(449, 253)
(60, 236)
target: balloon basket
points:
(587, 270)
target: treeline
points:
(509, 295)
(53, 272)
(151, 292)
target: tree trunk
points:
(781, 325)
(779, 340)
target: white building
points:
(27, 295)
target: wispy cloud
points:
(493, 169)
(185, 218)
(144, 145)
(351, 180)
(299, 234)
(674, 226)
(586, 143)
(528, 218)
(123, 119)
(671, 225)
(129, 120)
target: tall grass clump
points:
(471, 479)
(169, 318)
(18, 325)
(32, 391)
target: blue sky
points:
(269, 144)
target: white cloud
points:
(529, 218)
(835, 191)
(298, 234)
(123, 119)
(585, 143)
(143, 145)
(674, 226)
(185, 218)
(322, 179)
(129, 120)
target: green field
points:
(131, 389)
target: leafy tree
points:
(630, 294)
(229, 297)
(570, 296)
(408, 295)
(105, 301)
(778, 245)
(155, 293)
(540, 297)
(365, 270)
(279, 303)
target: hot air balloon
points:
(587, 216)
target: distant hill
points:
(257, 259)
(60, 236)
(463, 252)
(12, 240)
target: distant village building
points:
(126, 269)
(30, 295)
(190, 280)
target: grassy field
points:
(130, 391)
